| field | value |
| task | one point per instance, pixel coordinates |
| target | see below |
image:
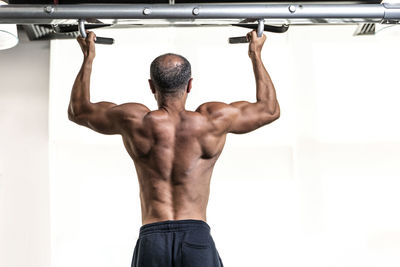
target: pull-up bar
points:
(28, 14)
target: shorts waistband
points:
(173, 226)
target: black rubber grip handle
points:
(267, 28)
(104, 40)
(238, 40)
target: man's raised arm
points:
(243, 117)
(102, 117)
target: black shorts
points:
(183, 243)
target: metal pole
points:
(260, 28)
(392, 11)
(81, 27)
(34, 13)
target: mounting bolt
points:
(49, 9)
(196, 11)
(292, 8)
(146, 11)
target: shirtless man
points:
(174, 151)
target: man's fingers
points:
(264, 37)
(248, 36)
(253, 35)
(80, 39)
(91, 36)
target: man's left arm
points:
(102, 117)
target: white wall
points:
(319, 187)
(24, 178)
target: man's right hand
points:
(256, 44)
(88, 45)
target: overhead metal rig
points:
(48, 14)
(255, 15)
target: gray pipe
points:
(81, 27)
(260, 28)
(34, 13)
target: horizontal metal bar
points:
(392, 11)
(46, 13)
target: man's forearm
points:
(80, 94)
(265, 88)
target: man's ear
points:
(151, 84)
(189, 87)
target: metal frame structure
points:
(255, 16)
(48, 14)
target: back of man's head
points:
(170, 73)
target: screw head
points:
(196, 11)
(49, 9)
(147, 11)
(292, 8)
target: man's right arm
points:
(243, 117)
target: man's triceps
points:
(109, 118)
(250, 116)
(99, 117)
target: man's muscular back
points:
(174, 150)
(174, 155)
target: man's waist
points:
(173, 226)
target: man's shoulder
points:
(131, 110)
(211, 107)
(132, 106)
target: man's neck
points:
(172, 104)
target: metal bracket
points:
(99, 40)
(365, 29)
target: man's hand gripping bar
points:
(99, 40)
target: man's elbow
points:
(277, 112)
(72, 116)
(77, 112)
(273, 116)
(270, 116)
(273, 112)
(276, 115)
(78, 118)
